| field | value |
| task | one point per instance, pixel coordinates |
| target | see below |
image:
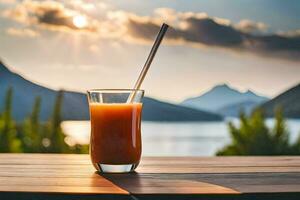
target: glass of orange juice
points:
(115, 144)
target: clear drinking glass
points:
(115, 144)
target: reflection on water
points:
(176, 139)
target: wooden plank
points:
(73, 163)
(37, 173)
(165, 184)
(232, 183)
(83, 159)
(44, 159)
(220, 164)
(159, 177)
(61, 196)
(89, 184)
(85, 171)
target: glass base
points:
(105, 168)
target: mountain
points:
(25, 92)
(289, 101)
(221, 96)
(234, 110)
(75, 106)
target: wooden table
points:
(53, 176)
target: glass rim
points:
(115, 90)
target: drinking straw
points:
(148, 62)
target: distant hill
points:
(289, 101)
(75, 105)
(221, 96)
(234, 110)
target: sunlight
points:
(80, 21)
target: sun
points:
(80, 21)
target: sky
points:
(79, 45)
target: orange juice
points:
(115, 133)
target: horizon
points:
(209, 89)
(92, 44)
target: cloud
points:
(49, 14)
(86, 6)
(25, 32)
(293, 33)
(199, 29)
(7, 1)
(249, 26)
(188, 28)
(94, 48)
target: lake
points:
(176, 138)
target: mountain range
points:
(289, 101)
(75, 106)
(220, 101)
(225, 100)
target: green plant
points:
(8, 132)
(32, 135)
(253, 137)
(55, 134)
(31, 130)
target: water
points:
(176, 139)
